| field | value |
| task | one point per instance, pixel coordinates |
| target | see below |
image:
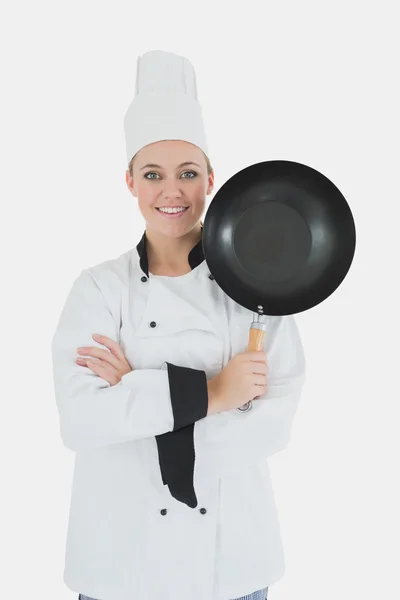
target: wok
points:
(279, 238)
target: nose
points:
(171, 189)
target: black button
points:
(163, 511)
(144, 279)
(211, 277)
(203, 511)
(153, 324)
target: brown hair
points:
(209, 167)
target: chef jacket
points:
(166, 501)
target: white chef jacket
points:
(166, 501)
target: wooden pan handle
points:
(256, 339)
(256, 343)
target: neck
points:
(169, 256)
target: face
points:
(160, 180)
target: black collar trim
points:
(195, 257)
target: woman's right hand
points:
(243, 379)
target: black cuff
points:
(176, 453)
(189, 395)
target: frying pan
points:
(279, 238)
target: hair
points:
(209, 167)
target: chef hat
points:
(165, 106)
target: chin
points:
(177, 230)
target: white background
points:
(313, 82)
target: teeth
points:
(172, 210)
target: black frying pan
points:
(279, 238)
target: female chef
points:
(171, 495)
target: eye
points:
(192, 172)
(150, 173)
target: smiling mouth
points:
(172, 211)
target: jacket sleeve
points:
(92, 412)
(232, 439)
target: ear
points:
(210, 186)
(130, 182)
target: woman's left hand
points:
(110, 366)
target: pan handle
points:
(256, 343)
(256, 338)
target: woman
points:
(171, 495)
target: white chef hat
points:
(165, 106)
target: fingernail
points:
(96, 335)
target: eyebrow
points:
(154, 166)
